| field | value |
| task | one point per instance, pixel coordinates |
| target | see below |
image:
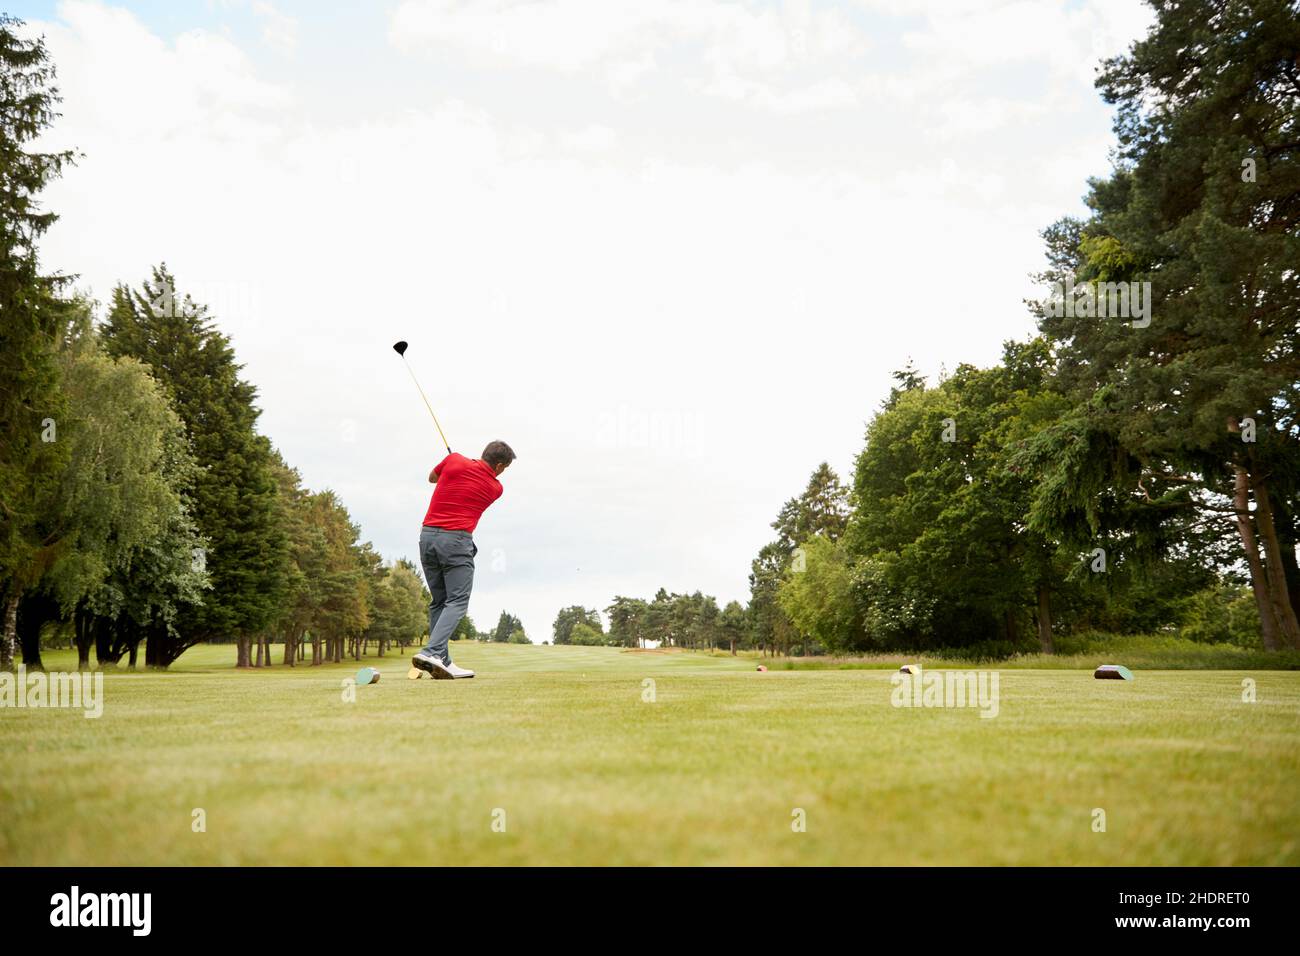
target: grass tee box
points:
(578, 755)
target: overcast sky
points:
(670, 251)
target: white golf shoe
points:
(459, 671)
(434, 667)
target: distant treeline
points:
(669, 620)
(509, 630)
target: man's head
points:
(498, 456)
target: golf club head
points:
(400, 348)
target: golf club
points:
(400, 349)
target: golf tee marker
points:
(1113, 672)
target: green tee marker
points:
(367, 675)
(1113, 672)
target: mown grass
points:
(562, 744)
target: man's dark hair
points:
(498, 453)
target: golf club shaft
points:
(426, 404)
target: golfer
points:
(463, 490)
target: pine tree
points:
(507, 625)
(571, 616)
(31, 458)
(234, 494)
(821, 509)
(1205, 207)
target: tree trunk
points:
(1288, 537)
(10, 639)
(1289, 565)
(155, 647)
(1277, 585)
(1045, 620)
(81, 624)
(106, 640)
(1258, 584)
(33, 612)
(152, 651)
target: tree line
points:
(508, 630)
(139, 503)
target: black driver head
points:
(400, 348)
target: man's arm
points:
(437, 469)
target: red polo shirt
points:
(465, 488)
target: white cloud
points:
(1060, 38)
(279, 30)
(133, 87)
(590, 139)
(822, 95)
(728, 49)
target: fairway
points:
(558, 747)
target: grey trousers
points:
(448, 559)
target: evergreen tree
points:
(733, 625)
(399, 613)
(31, 408)
(507, 625)
(821, 509)
(906, 379)
(571, 616)
(627, 621)
(234, 493)
(465, 629)
(772, 629)
(1194, 404)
